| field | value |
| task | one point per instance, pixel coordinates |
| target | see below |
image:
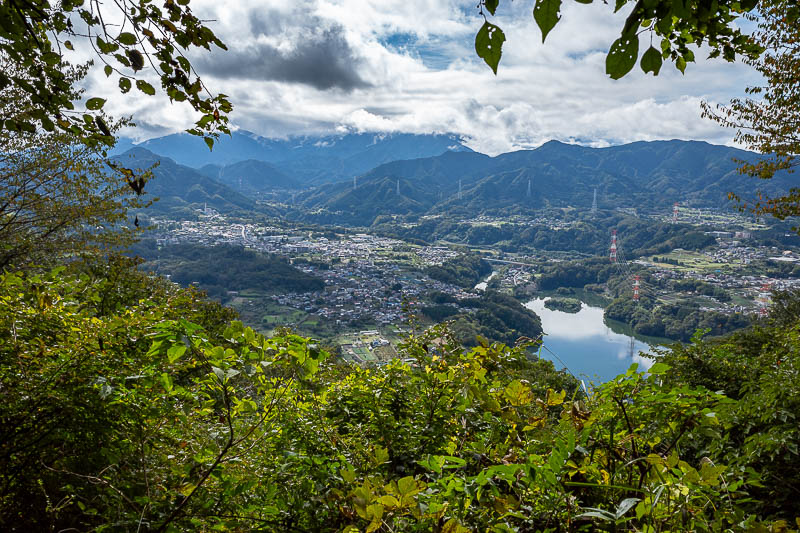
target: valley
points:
(698, 267)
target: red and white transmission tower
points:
(675, 213)
(763, 299)
(613, 255)
(636, 288)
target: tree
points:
(769, 121)
(57, 197)
(679, 23)
(37, 39)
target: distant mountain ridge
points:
(641, 174)
(179, 187)
(308, 160)
(250, 176)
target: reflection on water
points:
(585, 345)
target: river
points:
(586, 345)
(483, 284)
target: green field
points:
(690, 261)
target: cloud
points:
(318, 66)
(290, 47)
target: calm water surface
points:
(589, 348)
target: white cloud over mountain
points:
(315, 66)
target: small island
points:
(567, 305)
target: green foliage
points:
(673, 321)
(128, 404)
(37, 40)
(219, 269)
(498, 317)
(58, 198)
(567, 305)
(465, 270)
(758, 368)
(763, 120)
(677, 23)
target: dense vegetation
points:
(130, 404)
(465, 271)
(586, 235)
(567, 305)
(492, 315)
(672, 321)
(219, 269)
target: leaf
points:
(127, 38)
(108, 70)
(622, 56)
(94, 104)
(555, 398)
(452, 526)
(597, 513)
(210, 142)
(658, 368)
(517, 393)
(651, 62)
(489, 44)
(406, 485)
(546, 15)
(175, 352)
(125, 84)
(145, 87)
(680, 64)
(389, 501)
(491, 5)
(625, 506)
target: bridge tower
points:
(459, 189)
(636, 288)
(594, 202)
(529, 188)
(675, 213)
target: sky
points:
(312, 67)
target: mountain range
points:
(308, 160)
(455, 180)
(641, 174)
(181, 188)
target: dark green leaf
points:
(491, 5)
(93, 104)
(209, 142)
(108, 70)
(126, 38)
(489, 44)
(651, 61)
(622, 56)
(546, 15)
(145, 87)
(125, 84)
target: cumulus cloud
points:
(316, 66)
(294, 47)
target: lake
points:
(586, 345)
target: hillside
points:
(642, 175)
(179, 188)
(306, 159)
(250, 176)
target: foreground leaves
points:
(136, 405)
